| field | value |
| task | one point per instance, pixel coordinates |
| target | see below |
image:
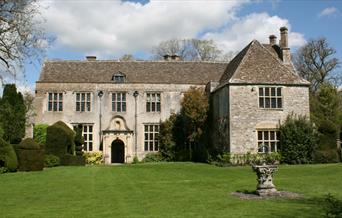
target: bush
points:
(135, 160)
(228, 159)
(93, 158)
(79, 140)
(30, 155)
(51, 160)
(333, 207)
(59, 140)
(39, 133)
(298, 140)
(326, 156)
(71, 160)
(153, 157)
(8, 158)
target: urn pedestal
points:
(265, 185)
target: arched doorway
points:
(118, 151)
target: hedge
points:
(71, 160)
(59, 140)
(30, 155)
(8, 158)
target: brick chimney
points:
(91, 58)
(273, 40)
(284, 45)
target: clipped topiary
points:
(51, 160)
(30, 155)
(71, 160)
(8, 158)
(79, 140)
(59, 140)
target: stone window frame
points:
(55, 101)
(151, 134)
(153, 102)
(264, 137)
(119, 103)
(270, 97)
(86, 102)
(88, 135)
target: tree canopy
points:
(21, 37)
(191, 50)
(316, 63)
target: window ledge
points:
(271, 109)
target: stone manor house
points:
(121, 103)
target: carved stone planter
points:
(265, 185)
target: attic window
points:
(119, 77)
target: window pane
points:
(85, 128)
(267, 102)
(118, 107)
(267, 91)
(55, 106)
(55, 96)
(278, 91)
(146, 128)
(146, 146)
(148, 106)
(158, 106)
(153, 106)
(50, 106)
(60, 106)
(82, 106)
(61, 96)
(273, 91)
(266, 135)
(146, 136)
(156, 148)
(273, 103)
(90, 146)
(280, 105)
(124, 106)
(260, 135)
(272, 135)
(77, 96)
(261, 92)
(50, 96)
(156, 128)
(261, 102)
(90, 128)
(88, 106)
(113, 96)
(88, 96)
(151, 145)
(123, 96)
(77, 106)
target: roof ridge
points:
(136, 61)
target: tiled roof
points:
(176, 72)
(257, 64)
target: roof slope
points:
(177, 72)
(256, 64)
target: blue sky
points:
(109, 29)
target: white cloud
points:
(111, 28)
(328, 11)
(257, 26)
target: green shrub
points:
(332, 207)
(79, 140)
(51, 160)
(135, 160)
(228, 159)
(93, 158)
(39, 133)
(30, 155)
(59, 140)
(8, 158)
(298, 140)
(72, 160)
(326, 156)
(153, 157)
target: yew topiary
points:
(8, 158)
(30, 155)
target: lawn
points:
(163, 190)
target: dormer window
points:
(119, 77)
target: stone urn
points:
(264, 173)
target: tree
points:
(20, 35)
(12, 114)
(190, 50)
(315, 63)
(194, 111)
(298, 140)
(127, 57)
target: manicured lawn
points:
(163, 190)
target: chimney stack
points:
(273, 40)
(91, 58)
(284, 45)
(283, 38)
(173, 57)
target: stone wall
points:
(171, 95)
(246, 117)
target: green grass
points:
(163, 190)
